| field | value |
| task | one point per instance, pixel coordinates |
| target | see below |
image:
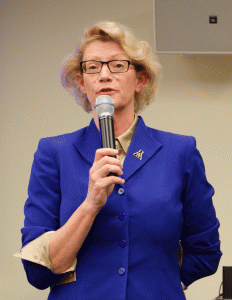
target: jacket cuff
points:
(37, 251)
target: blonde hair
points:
(139, 52)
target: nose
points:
(105, 74)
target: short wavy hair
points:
(139, 52)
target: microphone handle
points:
(107, 135)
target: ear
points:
(141, 81)
(81, 83)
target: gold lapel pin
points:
(139, 154)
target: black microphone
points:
(104, 107)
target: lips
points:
(106, 90)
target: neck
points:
(122, 122)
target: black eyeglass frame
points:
(106, 62)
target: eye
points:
(118, 65)
(92, 67)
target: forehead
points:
(99, 50)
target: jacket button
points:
(122, 216)
(121, 191)
(122, 243)
(121, 271)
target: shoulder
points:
(174, 145)
(63, 140)
(169, 138)
(178, 148)
(165, 137)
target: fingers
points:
(105, 155)
(102, 168)
(119, 158)
(110, 180)
(100, 185)
(105, 163)
(100, 153)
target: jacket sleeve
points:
(200, 236)
(41, 216)
(37, 251)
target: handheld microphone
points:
(104, 107)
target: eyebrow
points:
(113, 56)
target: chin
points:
(119, 107)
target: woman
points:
(92, 236)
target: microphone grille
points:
(104, 106)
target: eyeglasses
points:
(95, 66)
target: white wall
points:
(194, 99)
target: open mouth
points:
(106, 90)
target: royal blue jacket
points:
(131, 250)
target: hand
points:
(100, 185)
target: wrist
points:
(90, 209)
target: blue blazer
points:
(131, 250)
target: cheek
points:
(130, 86)
(90, 94)
(89, 88)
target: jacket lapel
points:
(141, 140)
(89, 142)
